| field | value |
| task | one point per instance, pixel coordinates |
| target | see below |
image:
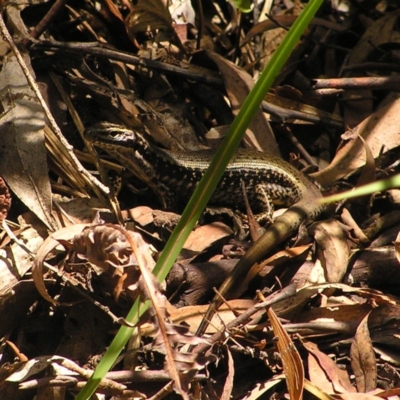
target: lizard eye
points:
(114, 134)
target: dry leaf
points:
(333, 249)
(23, 162)
(363, 359)
(291, 361)
(324, 373)
(227, 391)
(381, 32)
(380, 131)
(238, 83)
(149, 15)
(205, 235)
(62, 235)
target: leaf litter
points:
(327, 321)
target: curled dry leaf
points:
(63, 236)
(108, 251)
(148, 16)
(32, 367)
(104, 247)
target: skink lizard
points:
(174, 175)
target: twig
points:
(52, 13)
(373, 83)
(95, 49)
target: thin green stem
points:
(371, 188)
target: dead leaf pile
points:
(105, 248)
(325, 319)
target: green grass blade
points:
(231, 142)
(206, 186)
(370, 188)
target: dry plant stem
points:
(95, 49)
(78, 123)
(60, 382)
(74, 115)
(62, 166)
(11, 235)
(85, 157)
(377, 83)
(254, 226)
(67, 191)
(242, 319)
(53, 123)
(87, 373)
(52, 13)
(285, 114)
(142, 376)
(161, 324)
(62, 211)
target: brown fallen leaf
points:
(362, 356)
(291, 360)
(63, 234)
(333, 249)
(227, 391)
(205, 235)
(324, 373)
(379, 130)
(238, 82)
(23, 160)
